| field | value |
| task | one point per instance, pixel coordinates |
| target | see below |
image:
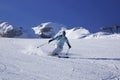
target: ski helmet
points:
(64, 33)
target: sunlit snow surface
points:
(93, 58)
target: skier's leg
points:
(59, 50)
(56, 51)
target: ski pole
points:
(42, 45)
(67, 51)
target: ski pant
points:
(57, 51)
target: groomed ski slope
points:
(91, 59)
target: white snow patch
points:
(90, 59)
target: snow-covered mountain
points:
(77, 33)
(44, 30)
(8, 30)
(5, 27)
(48, 29)
(103, 35)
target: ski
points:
(63, 57)
(60, 56)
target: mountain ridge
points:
(49, 30)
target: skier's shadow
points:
(117, 59)
(74, 57)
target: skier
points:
(61, 39)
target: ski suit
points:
(60, 43)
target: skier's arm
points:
(68, 44)
(52, 39)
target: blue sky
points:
(91, 14)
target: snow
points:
(90, 59)
(103, 35)
(48, 29)
(77, 33)
(5, 27)
(92, 56)
(56, 29)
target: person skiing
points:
(61, 39)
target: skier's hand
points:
(49, 41)
(69, 46)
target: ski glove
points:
(50, 41)
(69, 46)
